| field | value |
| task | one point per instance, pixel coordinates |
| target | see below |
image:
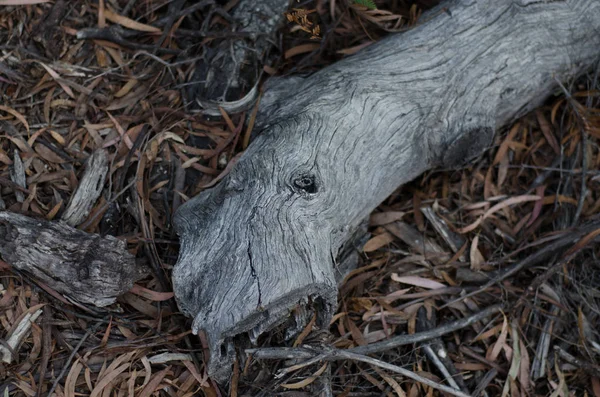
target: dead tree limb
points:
(334, 145)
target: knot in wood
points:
(306, 183)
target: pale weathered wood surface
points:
(87, 268)
(89, 189)
(334, 145)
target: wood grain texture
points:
(86, 267)
(332, 146)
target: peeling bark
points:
(334, 145)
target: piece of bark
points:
(89, 189)
(334, 145)
(17, 175)
(86, 267)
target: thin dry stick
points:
(348, 355)
(401, 340)
(440, 366)
(71, 356)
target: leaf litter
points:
(522, 221)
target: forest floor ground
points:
(447, 232)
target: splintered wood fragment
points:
(6, 352)
(89, 189)
(85, 267)
(17, 175)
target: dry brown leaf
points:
(149, 294)
(107, 379)
(57, 137)
(305, 331)
(16, 114)
(202, 380)
(596, 386)
(301, 49)
(384, 218)
(305, 382)
(355, 49)
(126, 88)
(502, 172)
(418, 281)
(417, 214)
(378, 241)
(500, 343)
(504, 204)
(251, 121)
(525, 369)
(58, 79)
(52, 213)
(129, 23)
(469, 366)
(547, 131)
(503, 149)
(357, 336)
(71, 380)
(48, 154)
(390, 381)
(475, 255)
(537, 208)
(583, 242)
(150, 388)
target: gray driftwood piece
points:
(88, 268)
(334, 145)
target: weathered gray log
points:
(334, 145)
(86, 267)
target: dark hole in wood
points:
(306, 183)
